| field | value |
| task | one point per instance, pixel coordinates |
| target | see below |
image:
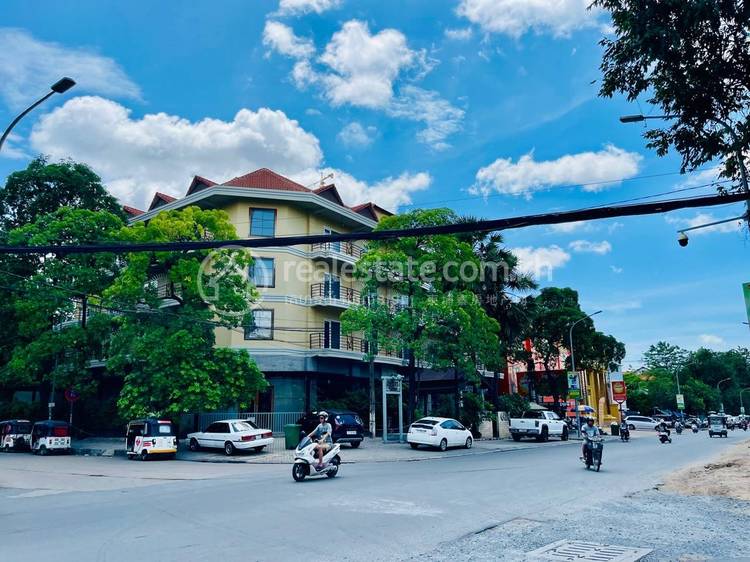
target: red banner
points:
(619, 391)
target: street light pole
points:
(573, 364)
(721, 400)
(59, 87)
(742, 406)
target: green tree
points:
(663, 355)
(419, 269)
(692, 58)
(168, 357)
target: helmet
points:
(323, 414)
(590, 421)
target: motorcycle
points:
(694, 427)
(664, 437)
(306, 464)
(624, 433)
(678, 428)
(593, 454)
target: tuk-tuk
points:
(150, 437)
(717, 425)
(50, 436)
(15, 435)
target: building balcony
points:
(333, 294)
(333, 342)
(336, 251)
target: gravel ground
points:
(709, 528)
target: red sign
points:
(619, 391)
(71, 395)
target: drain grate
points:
(579, 551)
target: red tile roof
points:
(332, 191)
(372, 207)
(266, 179)
(160, 197)
(197, 182)
(132, 211)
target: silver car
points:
(641, 422)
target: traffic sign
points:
(619, 391)
(680, 401)
(71, 395)
(574, 385)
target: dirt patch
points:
(729, 476)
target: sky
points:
(489, 107)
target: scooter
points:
(694, 427)
(593, 453)
(664, 437)
(306, 464)
(678, 428)
(624, 433)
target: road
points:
(371, 511)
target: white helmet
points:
(323, 414)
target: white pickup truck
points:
(540, 424)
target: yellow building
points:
(597, 394)
(297, 339)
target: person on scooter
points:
(588, 430)
(322, 434)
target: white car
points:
(439, 432)
(641, 422)
(231, 435)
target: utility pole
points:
(573, 364)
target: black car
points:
(347, 426)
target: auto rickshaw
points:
(15, 435)
(717, 425)
(50, 436)
(150, 437)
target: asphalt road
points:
(371, 511)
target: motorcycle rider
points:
(589, 430)
(322, 434)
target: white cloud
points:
(712, 340)
(313, 112)
(704, 218)
(136, 157)
(390, 192)
(281, 38)
(588, 247)
(616, 269)
(542, 261)
(516, 17)
(298, 7)
(594, 171)
(28, 67)
(462, 34)
(615, 226)
(364, 66)
(357, 136)
(568, 227)
(362, 69)
(618, 307)
(440, 118)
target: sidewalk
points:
(371, 450)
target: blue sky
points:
(488, 107)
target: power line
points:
(610, 211)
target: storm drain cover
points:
(579, 551)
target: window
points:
(262, 222)
(262, 328)
(213, 428)
(262, 272)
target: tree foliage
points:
(692, 58)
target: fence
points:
(275, 421)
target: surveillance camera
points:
(682, 239)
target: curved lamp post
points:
(59, 87)
(718, 389)
(573, 362)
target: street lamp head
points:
(632, 118)
(63, 85)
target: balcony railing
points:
(322, 340)
(335, 291)
(346, 248)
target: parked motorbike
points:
(305, 463)
(624, 433)
(664, 437)
(593, 452)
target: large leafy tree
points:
(167, 354)
(664, 355)
(421, 270)
(692, 59)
